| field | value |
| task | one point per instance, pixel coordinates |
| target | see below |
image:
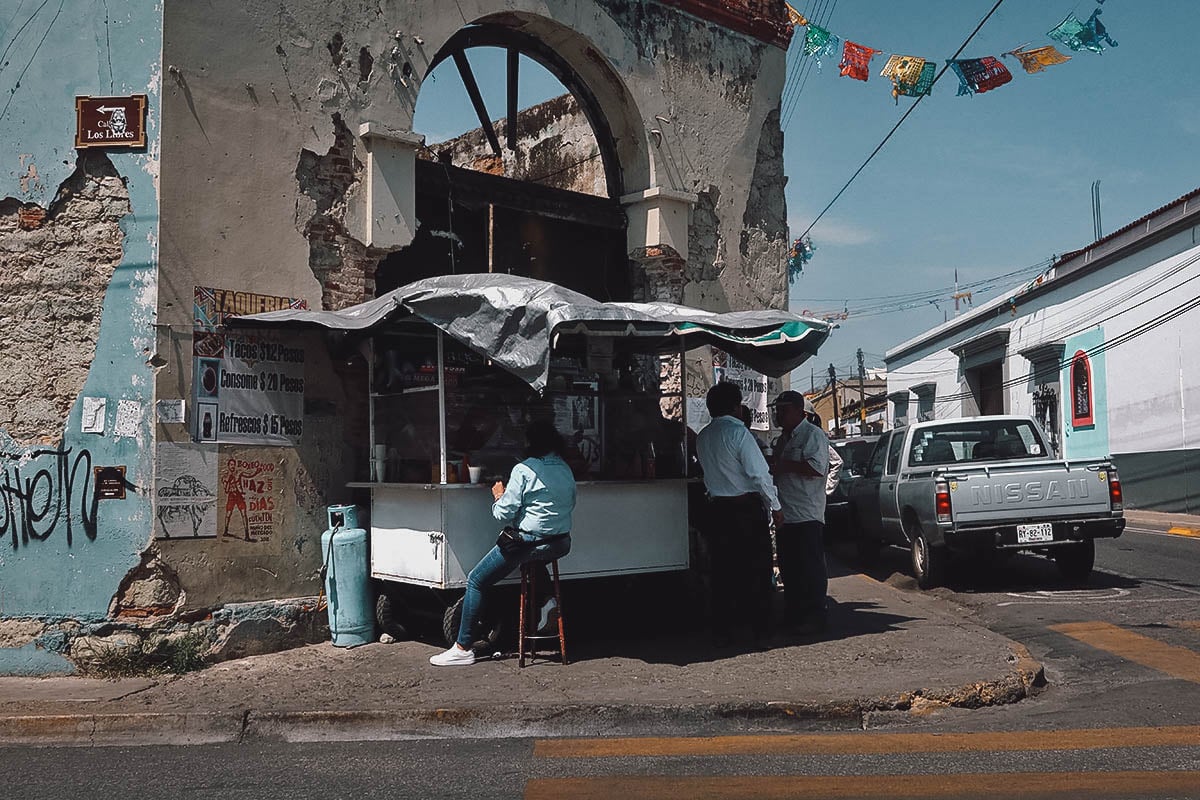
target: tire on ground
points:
(488, 634)
(928, 561)
(390, 614)
(1075, 561)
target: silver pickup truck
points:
(983, 485)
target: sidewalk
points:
(887, 650)
(1179, 524)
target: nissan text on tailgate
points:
(985, 485)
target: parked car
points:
(987, 485)
(855, 452)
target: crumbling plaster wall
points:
(257, 93)
(94, 222)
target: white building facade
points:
(1102, 348)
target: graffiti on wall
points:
(44, 491)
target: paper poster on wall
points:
(250, 507)
(185, 491)
(94, 410)
(171, 411)
(129, 419)
(248, 385)
(697, 413)
(753, 385)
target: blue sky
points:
(985, 184)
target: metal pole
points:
(837, 422)
(862, 396)
(683, 409)
(371, 411)
(441, 366)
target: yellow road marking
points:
(1006, 784)
(1181, 531)
(1177, 661)
(869, 743)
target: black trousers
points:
(801, 551)
(739, 545)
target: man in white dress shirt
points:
(741, 492)
(802, 474)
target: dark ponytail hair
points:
(543, 439)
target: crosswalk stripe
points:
(869, 743)
(1176, 661)
(958, 785)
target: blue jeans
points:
(495, 566)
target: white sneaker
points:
(454, 657)
(549, 616)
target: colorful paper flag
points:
(856, 60)
(801, 253)
(1038, 58)
(820, 43)
(1078, 35)
(794, 16)
(911, 76)
(979, 75)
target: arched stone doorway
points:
(510, 196)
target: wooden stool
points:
(529, 601)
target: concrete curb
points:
(100, 730)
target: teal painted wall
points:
(62, 552)
(1088, 441)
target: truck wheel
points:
(487, 634)
(389, 615)
(1075, 561)
(866, 547)
(928, 561)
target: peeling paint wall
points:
(82, 234)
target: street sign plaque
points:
(110, 121)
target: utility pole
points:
(862, 396)
(837, 422)
(959, 295)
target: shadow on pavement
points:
(1018, 572)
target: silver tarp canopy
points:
(515, 322)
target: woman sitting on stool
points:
(538, 501)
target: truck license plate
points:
(1041, 532)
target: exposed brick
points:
(52, 292)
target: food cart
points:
(459, 364)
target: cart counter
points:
(434, 534)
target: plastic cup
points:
(476, 474)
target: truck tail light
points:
(941, 502)
(1114, 490)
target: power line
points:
(901, 120)
(888, 304)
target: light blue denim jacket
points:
(539, 497)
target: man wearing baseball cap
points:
(801, 466)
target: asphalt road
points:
(1119, 717)
(1122, 650)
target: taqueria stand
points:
(460, 364)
